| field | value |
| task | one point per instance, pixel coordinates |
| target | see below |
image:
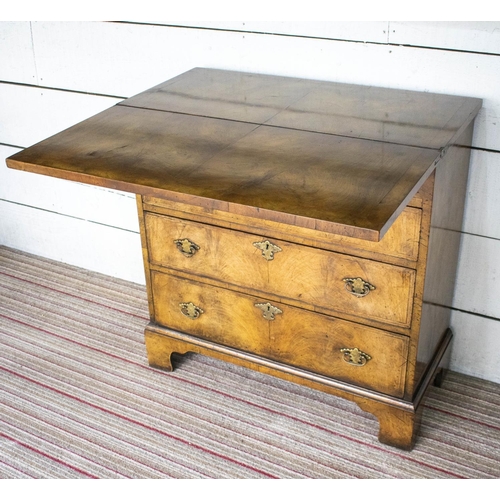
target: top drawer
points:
(399, 246)
(319, 279)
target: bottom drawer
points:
(339, 349)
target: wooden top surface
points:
(315, 154)
(389, 115)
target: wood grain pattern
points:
(295, 337)
(388, 115)
(399, 246)
(240, 168)
(323, 164)
(309, 276)
(398, 419)
(443, 240)
(140, 47)
(145, 256)
(414, 368)
(84, 202)
(246, 161)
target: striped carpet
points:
(78, 400)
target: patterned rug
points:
(78, 400)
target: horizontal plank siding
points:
(17, 59)
(482, 210)
(478, 36)
(55, 74)
(81, 243)
(477, 276)
(354, 31)
(31, 114)
(140, 50)
(475, 345)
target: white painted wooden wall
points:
(54, 74)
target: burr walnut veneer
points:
(305, 229)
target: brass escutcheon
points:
(358, 287)
(355, 357)
(190, 310)
(268, 310)
(186, 247)
(268, 249)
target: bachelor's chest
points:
(305, 229)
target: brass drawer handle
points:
(190, 310)
(186, 247)
(269, 311)
(355, 357)
(358, 287)
(268, 249)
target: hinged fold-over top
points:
(346, 158)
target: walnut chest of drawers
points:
(305, 229)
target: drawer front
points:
(317, 278)
(401, 240)
(339, 349)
